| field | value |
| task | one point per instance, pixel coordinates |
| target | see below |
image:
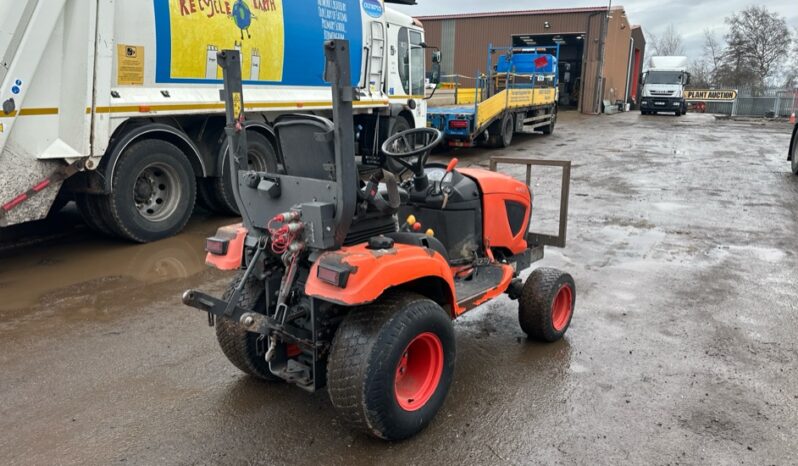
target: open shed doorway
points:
(572, 57)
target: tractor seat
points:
(420, 239)
(307, 145)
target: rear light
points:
(332, 274)
(217, 246)
(458, 124)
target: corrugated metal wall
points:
(470, 38)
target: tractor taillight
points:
(336, 276)
(458, 124)
(217, 246)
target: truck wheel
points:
(547, 304)
(237, 344)
(153, 192)
(401, 124)
(261, 157)
(501, 132)
(91, 213)
(391, 365)
(548, 129)
(794, 149)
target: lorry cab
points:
(663, 86)
(405, 77)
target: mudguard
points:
(371, 272)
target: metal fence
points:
(764, 103)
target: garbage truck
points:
(663, 86)
(116, 104)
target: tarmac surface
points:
(682, 241)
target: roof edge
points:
(553, 11)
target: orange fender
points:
(371, 272)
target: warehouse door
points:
(572, 59)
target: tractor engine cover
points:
(506, 207)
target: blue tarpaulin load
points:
(527, 63)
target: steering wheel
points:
(417, 142)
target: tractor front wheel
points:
(391, 365)
(547, 304)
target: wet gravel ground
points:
(682, 241)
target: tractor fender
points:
(371, 272)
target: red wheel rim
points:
(418, 371)
(561, 308)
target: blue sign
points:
(373, 8)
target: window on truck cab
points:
(416, 64)
(411, 61)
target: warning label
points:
(130, 65)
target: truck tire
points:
(391, 365)
(794, 152)
(261, 157)
(237, 344)
(501, 132)
(548, 129)
(91, 213)
(152, 194)
(547, 304)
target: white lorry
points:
(115, 103)
(663, 86)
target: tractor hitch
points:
(251, 321)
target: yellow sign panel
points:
(236, 105)
(703, 95)
(129, 65)
(200, 28)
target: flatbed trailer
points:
(503, 103)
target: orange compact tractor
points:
(352, 281)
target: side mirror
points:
(643, 78)
(436, 73)
(436, 56)
(687, 79)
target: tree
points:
(758, 43)
(713, 52)
(668, 43)
(700, 74)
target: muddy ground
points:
(682, 241)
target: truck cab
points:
(663, 86)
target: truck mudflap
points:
(16, 198)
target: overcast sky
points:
(690, 17)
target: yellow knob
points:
(411, 219)
(430, 232)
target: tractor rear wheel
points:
(391, 365)
(547, 304)
(239, 345)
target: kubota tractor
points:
(353, 283)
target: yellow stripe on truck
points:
(185, 107)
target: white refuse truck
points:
(663, 86)
(115, 103)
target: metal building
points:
(601, 53)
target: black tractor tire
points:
(91, 213)
(262, 157)
(375, 349)
(547, 304)
(794, 153)
(239, 345)
(159, 171)
(549, 129)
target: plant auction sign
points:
(718, 95)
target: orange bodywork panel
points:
(497, 190)
(235, 234)
(374, 271)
